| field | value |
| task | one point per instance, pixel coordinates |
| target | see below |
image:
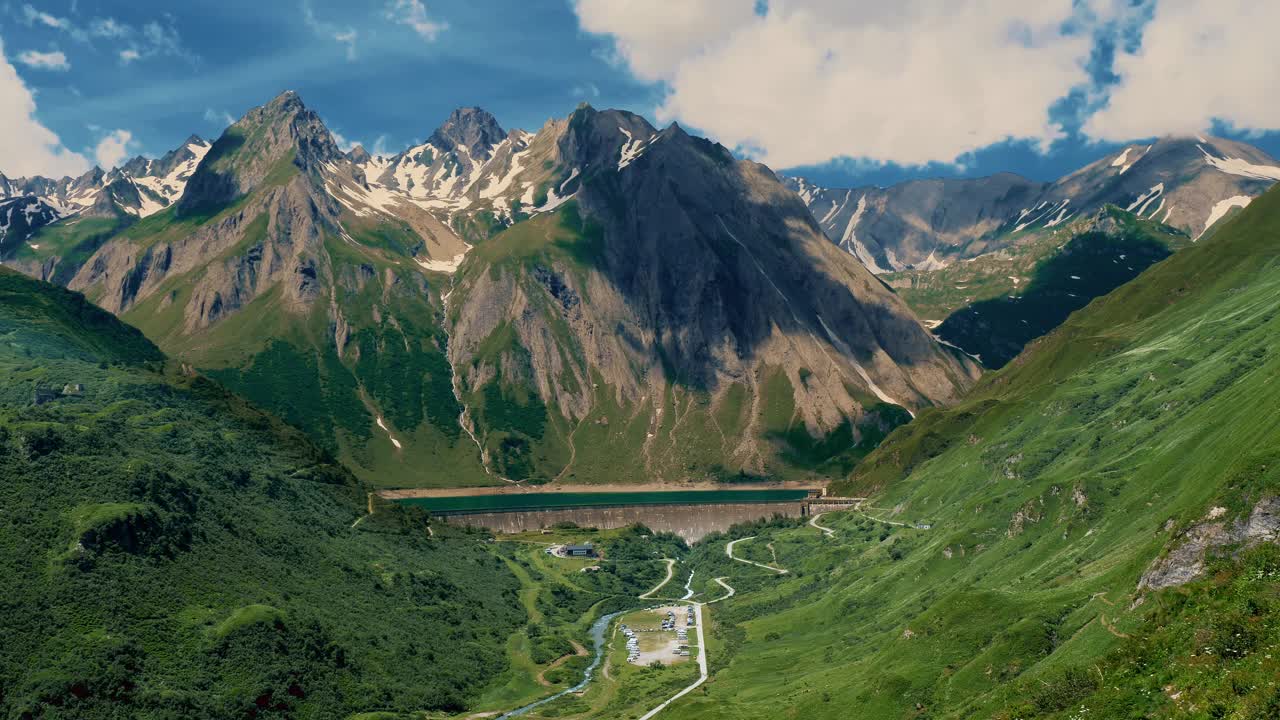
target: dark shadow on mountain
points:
(1090, 265)
(709, 252)
(211, 189)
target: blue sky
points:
(385, 73)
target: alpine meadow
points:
(719, 359)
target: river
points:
(598, 629)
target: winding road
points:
(671, 566)
(825, 530)
(726, 586)
(698, 613)
(728, 550)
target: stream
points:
(598, 629)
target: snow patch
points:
(554, 200)
(632, 149)
(494, 189)
(1146, 197)
(383, 425)
(1241, 167)
(930, 263)
(1062, 215)
(1124, 163)
(850, 242)
(1222, 208)
(835, 209)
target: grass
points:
(1049, 491)
(1089, 265)
(72, 241)
(168, 546)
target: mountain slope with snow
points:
(496, 304)
(1184, 182)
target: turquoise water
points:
(541, 501)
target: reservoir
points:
(691, 514)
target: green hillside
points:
(1106, 253)
(168, 551)
(1047, 495)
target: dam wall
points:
(691, 522)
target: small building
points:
(585, 550)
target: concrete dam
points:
(691, 514)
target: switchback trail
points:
(728, 550)
(671, 565)
(727, 587)
(825, 530)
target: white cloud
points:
(414, 14)
(222, 118)
(54, 60)
(109, 28)
(348, 37)
(1199, 61)
(343, 36)
(113, 148)
(655, 38)
(26, 146)
(31, 16)
(341, 140)
(585, 90)
(911, 82)
(128, 55)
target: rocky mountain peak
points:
(283, 131)
(470, 127)
(596, 137)
(135, 167)
(359, 155)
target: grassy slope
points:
(936, 294)
(71, 241)
(1049, 491)
(1089, 265)
(170, 552)
(285, 360)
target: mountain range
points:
(1085, 525)
(1189, 183)
(506, 305)
(502, 305)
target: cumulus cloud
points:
(1199, 61)
(26, 146)
(654, 39)
(54, 60)
(413, 14)
(910, 82)
(113, 148)
(128, 55)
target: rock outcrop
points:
(1186, 560)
